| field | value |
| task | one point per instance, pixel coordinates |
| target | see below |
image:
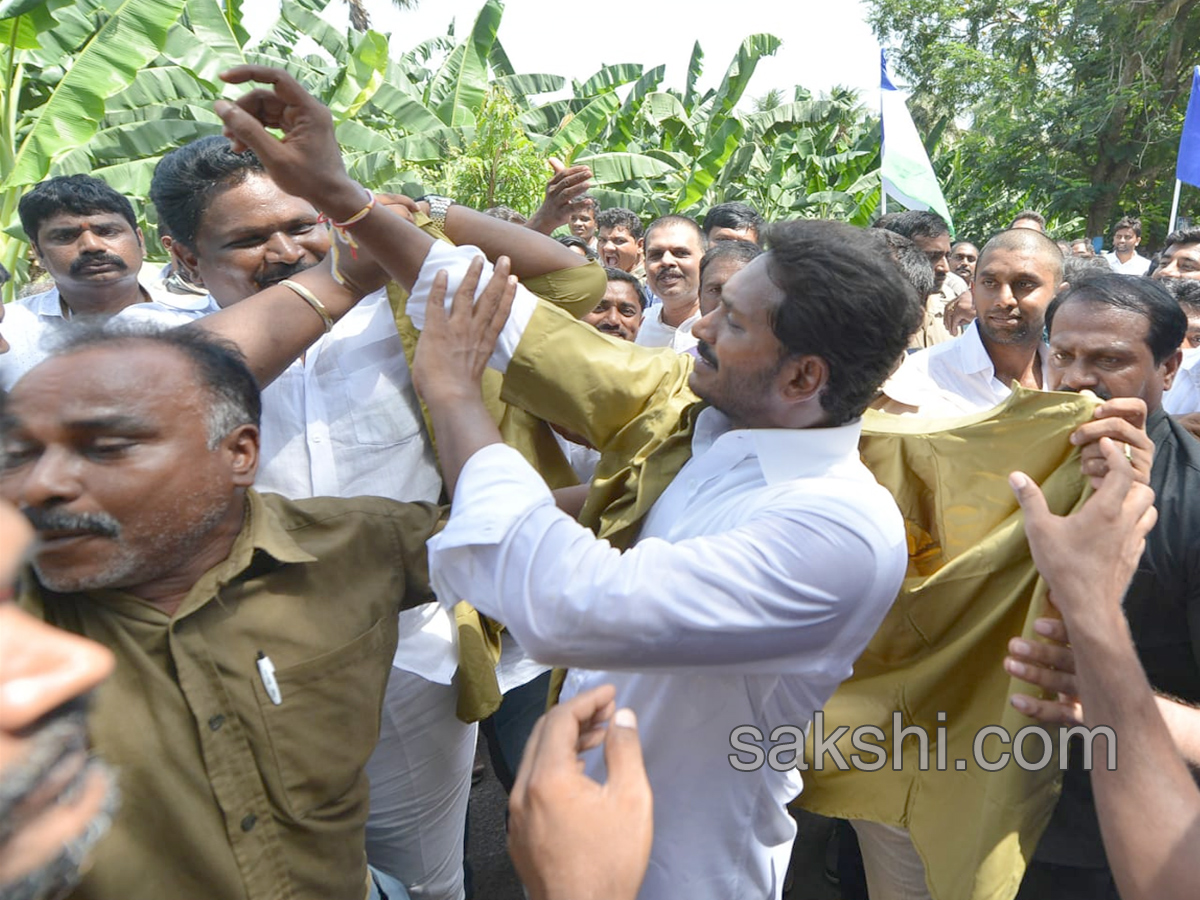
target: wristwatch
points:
(437, 208)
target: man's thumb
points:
(623, 752)
(1029, 495)
(557, 165)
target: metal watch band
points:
(437, 209)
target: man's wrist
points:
(342, 200)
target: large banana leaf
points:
(718, 149)
(24, 22)
(584, 125)
(521, 86)
(460, 85)
(361, 75)
(206, 45)
(694, 69)
(738, 75)
(608, 78)
(614, 168)
(407, 112)
(134, 34)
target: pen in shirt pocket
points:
(266, 670)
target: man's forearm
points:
(1149, 806)
(532, 254)
(275, 326)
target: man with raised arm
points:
(762, 555)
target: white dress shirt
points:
(31, 334)
(951, 379)
(654, 332)
(1184, 396)
(1137, 265)
(760, 575)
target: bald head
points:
(1026, 241)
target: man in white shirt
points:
(1124, 258)
(86, 237)
(674, 246)
(341, 421)
(763, 566)
(1018, 273)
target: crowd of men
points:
(321, 502)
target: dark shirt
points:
(226, 792)
(1163, 609)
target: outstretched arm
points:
(1149, 806)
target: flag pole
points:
(1174, 207)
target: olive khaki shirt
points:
(225, 793)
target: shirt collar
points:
(783, 453)
(973, 356)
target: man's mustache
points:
(280, 271)
(52, 520)
(91, 259)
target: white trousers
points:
(420, 781)
(894, 869)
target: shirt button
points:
(248, 822)
(216, 722)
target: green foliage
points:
(1073, 108)
(500, 166)
(109, 86)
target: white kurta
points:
(761, 573)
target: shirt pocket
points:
(378, 393)
(327, 724)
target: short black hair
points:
(234, 397)
(589, 201)
(79, 195)
(187, 179)
(1031, 215)
(675, 219)
(744, 252)
(569, 240)
(1133, 223)
(845, 302)
(909, 258)
(1029, 240)
(734, 214)
(1186, 292)
(615, 274)
(913, 223)
(620, 217)
(1183, 236)
(1143, 296)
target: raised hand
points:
(306, 161)
(566, 186)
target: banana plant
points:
(61, 62)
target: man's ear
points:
(141, 238)
(183, 256)
(241, 445)
(804, 377)
(1170, 369)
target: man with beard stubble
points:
(1018, 273)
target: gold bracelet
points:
(311, 299)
